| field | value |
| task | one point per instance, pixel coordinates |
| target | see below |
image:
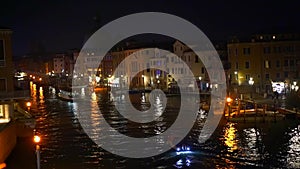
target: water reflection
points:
(65, 145)
(41, 93)
(230, 137)
(293, 156)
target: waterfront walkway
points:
(23, 155)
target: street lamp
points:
(251, 82)
(157, 80)
(37, 140)
(28, 104)
(200, 83)
(295, 87)
(2, 165)
(143, 77)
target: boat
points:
(252, 117)
(65, 96)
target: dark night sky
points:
(62, 25)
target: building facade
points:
(62, 64)
(6, 76)
(264, 59)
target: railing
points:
(22, 94)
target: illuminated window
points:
(267, 64)
(4, 108)
(2, 111)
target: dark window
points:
(2, 57)
(2, 85)
(278, 75)
(196, 59)
(277, 49)
(247, 65)
(247, 76)
(202, 70)
(267, 76)
(236, 65)
(229, 51)
(286, 63)
(267, 50)
(246, 51)
(292, 63)
(277, 63)
(286, 74)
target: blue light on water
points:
(183, 150)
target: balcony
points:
(22, 94)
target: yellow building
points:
(263, 59)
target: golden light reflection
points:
(230, 138)
(94, 97)
(41, 93)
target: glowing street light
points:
(229, 100)
(143, 77)
(3, 165)
(295, 87)
(28, 104)
(37, 140)
(251, 82)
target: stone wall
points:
(8, 140)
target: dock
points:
(243, 111)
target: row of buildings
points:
(263, 63)
(146, 68)
(256, 64)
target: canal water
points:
(65, 145)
